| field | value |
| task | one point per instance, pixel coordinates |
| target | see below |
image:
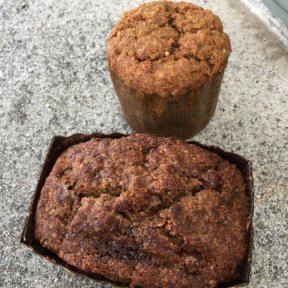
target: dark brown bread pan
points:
(180, 116)
(61, 143)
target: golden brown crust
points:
(168, 48)
(146, 211)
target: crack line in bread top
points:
(143, 208)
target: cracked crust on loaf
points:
(146, 211)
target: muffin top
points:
(168, 48)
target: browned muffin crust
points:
(168, 48)
(146, 211)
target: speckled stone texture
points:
(54, 80)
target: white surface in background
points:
(274, 23)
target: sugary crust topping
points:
(146, 211)
(168, 48)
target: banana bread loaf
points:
(146, 211)
(166, 61)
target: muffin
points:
(146, 211)
(166, 61)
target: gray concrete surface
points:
(54, 80)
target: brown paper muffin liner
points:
(180, 116)
(61, 143)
